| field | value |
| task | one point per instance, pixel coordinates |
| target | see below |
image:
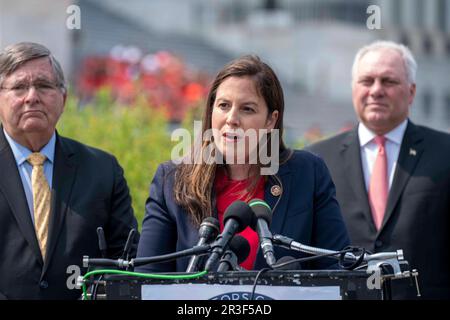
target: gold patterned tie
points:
(41, 199)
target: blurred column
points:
(447, 110)
(390, 13)
(418, 14)
(270, 5)
(447, 16)
(431, 15)
(409, 15)
(1, 24)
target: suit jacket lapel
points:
(351, 159)
(64, 173)
(278, 203)
(12, 188)
(410, 153)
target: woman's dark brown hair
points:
(194, 182)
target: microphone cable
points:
(94, 293)
(305, 259)
(136, 274)
(263, 270)
(355, 250)
(200, 250)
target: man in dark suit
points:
(54, 192)
(392, 176)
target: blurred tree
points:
(136, 135)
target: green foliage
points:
(299, 144)
(136, 135)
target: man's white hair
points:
(408, 58)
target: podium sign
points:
(195, 291)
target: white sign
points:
(197, 291)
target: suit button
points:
(43, 284)
(378, 243)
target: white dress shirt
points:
(369, 149)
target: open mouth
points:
(231, 137)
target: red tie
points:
(378, 188)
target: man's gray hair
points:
(15, 55)
(408, 58)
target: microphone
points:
(207, 232)
(102, 242)
(238, 251)
(237, 217)
(263, 214)
(297, 246)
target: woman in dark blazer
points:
(245, 97)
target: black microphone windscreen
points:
(262, 210)
(211, 220)
(241, 212)
(209, 224)
(288, 266)
(241, 248)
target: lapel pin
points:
(412, 152)
(275, 190)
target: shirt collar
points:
(21, 153)
(395, 135)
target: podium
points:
(238, 285)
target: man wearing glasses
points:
(54, 192)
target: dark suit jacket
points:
(88, 191)
(417, 217)
(306, 211)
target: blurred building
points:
(310, 43)
(42, 21)
(425, 27)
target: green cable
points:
(252, 204)
(137, 274)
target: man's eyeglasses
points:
(42, 87)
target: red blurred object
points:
(193, 92)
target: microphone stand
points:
(123, 264)
(375, 262)
(392, 258)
